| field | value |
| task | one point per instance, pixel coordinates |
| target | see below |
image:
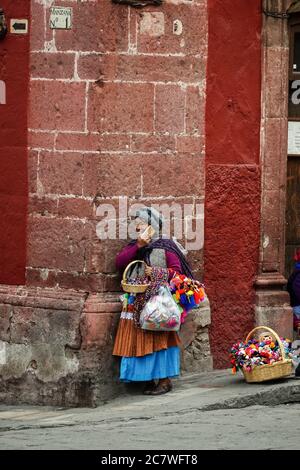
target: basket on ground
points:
(133, 285)
(273, 371)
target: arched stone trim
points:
(294, 7)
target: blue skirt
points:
(158, 365)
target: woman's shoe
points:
(163, 386)
(149, 387)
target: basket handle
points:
(130, 264)
(273, 333)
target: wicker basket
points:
(267, 372)
(133, 288)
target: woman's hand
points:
(148, 270)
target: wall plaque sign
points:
(294, 138)
(61, 18)
(18, 26)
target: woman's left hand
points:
(148, 270)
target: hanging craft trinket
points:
(188, 293)
(263, 359)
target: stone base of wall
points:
(196, 353)
(272, 305)
(55, 346)
(273, 310)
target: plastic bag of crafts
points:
(161, 312)
(295, 353)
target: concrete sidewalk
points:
(208, 411)
(217, 390)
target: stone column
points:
(272, 302)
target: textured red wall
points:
(117, 109)
(232, 204)
(14, 70)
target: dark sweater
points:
(293, 287)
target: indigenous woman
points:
(293, 288)
(149, 356)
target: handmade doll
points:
(267, 339)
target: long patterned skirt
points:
(146, 355)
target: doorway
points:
(292, 238)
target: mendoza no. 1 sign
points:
(61, 18)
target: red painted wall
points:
(14, 70)
(232, 204)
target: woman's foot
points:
(149, 387)
(163, 386)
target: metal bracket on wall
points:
(3, 26)
(138, 3)
(276, 14)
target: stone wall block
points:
(53, 106)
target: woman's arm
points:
(126, 255)
(173, 263)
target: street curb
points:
(271, 397)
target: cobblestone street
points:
(256, 427)
(209, 411)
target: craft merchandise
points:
(138, 284)
(296, 353)
(246, 356)
(187, 293)
(161, 312)
(137, 281)
(128, 302)
(156, 305)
